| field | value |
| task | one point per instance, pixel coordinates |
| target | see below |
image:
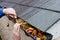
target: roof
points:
(39, 13)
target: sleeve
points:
(1, 12)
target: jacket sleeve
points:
(1, 12)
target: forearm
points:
(16, 37)
(16, 34)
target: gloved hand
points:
(16, 31)
(10, 12)
(16, 28)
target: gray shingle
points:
(52, 4)
(20, 9)
(14, 1)
(43, 19)
(6, 4)
(29, 13)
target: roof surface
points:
(33, 11)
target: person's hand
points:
(16, 29)
(10, 12)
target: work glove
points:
(16, 28)
(10, 12)
(16, 31)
